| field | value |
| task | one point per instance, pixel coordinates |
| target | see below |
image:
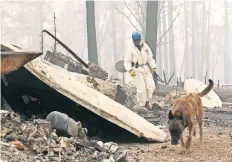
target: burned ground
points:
(216, 146)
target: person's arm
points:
(128, 61)
(151, 61)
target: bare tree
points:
(41, 19)
(159, 56)
(186, 53)
(135, 11)
(165, 47)
(122, 34)
(202, 57)
(54, 18)
(193, 60)
(172, 58)
(226, 52)
(160, 41)
(114, 40)
(207, 53)
(151, 25)
(197, 41)
(91, 32)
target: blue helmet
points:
(136, 36)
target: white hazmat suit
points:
(143, 78)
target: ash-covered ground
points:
(216, 146)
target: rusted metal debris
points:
(12, 61)
(64, 61)
(68, 63)
(93, 69)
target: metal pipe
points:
(67, 48)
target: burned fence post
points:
(165, 80)
(170, 78)
(177, 84)
(206, 76)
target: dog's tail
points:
(207, 89)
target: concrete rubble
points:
(35, 141)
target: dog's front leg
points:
(191, 132)
(182, 140)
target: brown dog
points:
(182, 115)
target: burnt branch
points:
(132, 13)
(165, 80)
(178, 13)
(160, 9)
(127, 18)
(163, 43)
(138, 11)
(141, 9)
(171, 78)
(103, 28)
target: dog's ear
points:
(170, 116)
(183, 121)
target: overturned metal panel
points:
(12, 61)
(68, 84)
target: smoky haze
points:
(193, 37)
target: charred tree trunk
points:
(143, 5)
(197, 42)
(194, 39)
(226, 53)
(122, 35)
(41, 19)
(151, 25)
(172, 58)
(165, 47)
(201, 71)
(186, 53)
(159, 55)
(208, 42)
(54, 19)
(91, 32)
(114, 41)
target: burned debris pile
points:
(64, 61)
(35, 140)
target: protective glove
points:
(132, 73)
(154, 70)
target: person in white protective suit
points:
(140, 64)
